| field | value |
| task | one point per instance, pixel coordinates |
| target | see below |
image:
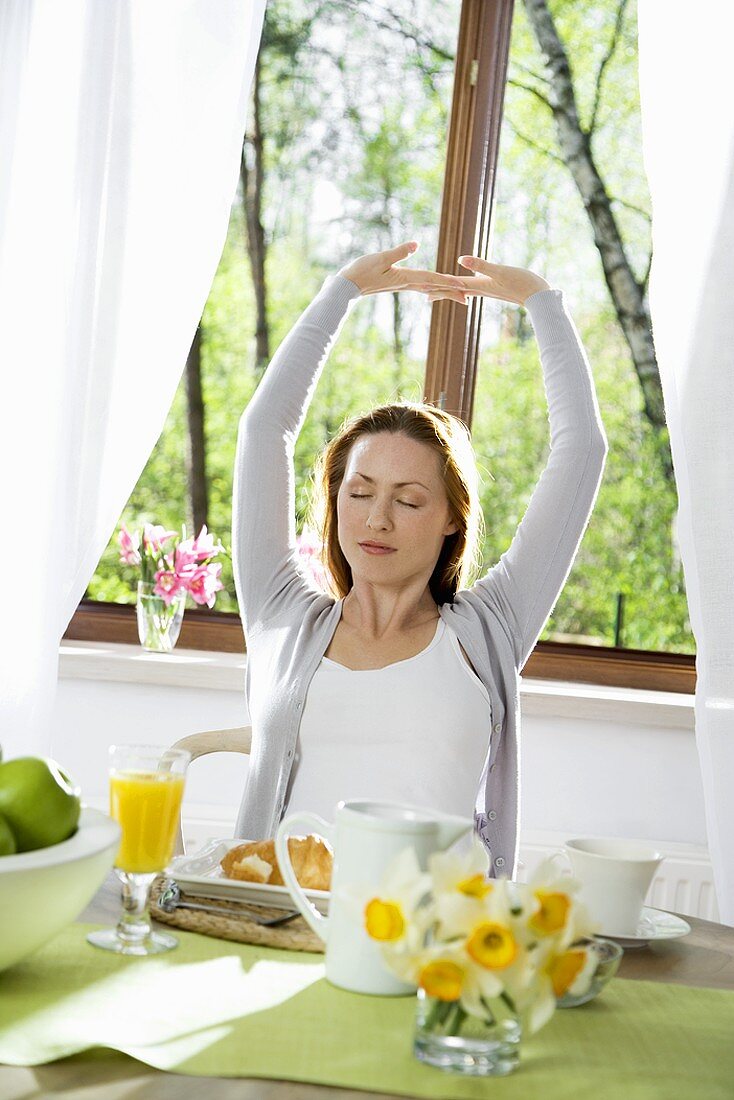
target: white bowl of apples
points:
(54, 854)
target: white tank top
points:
(415, 731)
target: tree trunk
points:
(196, 442)
(627, 292)
(398, 346)
(252, 196)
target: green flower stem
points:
(490, 1015)
(439, 1013)
(460, 1015)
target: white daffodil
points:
(392, 913)
(448, 973)
(464, 872)
(551, 908)
(557, 973)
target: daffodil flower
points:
(559, 973)
(555, 909)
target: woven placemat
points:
(297, 935)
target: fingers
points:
(426, 280)
(475, 263)
(452, 295)
(401, 251)
(464, 284)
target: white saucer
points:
(655, 924)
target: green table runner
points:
(236, 1010)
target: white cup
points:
(615, 876)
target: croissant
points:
(255, 861)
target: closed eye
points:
(364, 496)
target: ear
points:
(451, 528)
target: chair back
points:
(201, 744)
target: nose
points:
(379, 519)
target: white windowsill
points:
(112, 662)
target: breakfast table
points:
(697, 964)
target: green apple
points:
(39, 802)
(8, 847)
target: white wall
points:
(594, 761)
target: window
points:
(374, 123)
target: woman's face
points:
(392, 496)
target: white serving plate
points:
(200, 875)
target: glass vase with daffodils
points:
(490, 957)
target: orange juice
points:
(147, 806)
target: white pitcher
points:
(365, 837)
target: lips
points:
(377, 548)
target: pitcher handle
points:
(287, 827)
(562, 854)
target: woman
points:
(407, 685)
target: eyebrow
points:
(396, 484)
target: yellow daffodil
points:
(442, 978)
(492, 945)
(447, 972)
(564, 969)
(546, 889)
(556, 973)
(462, 902)
(465, 873)
(554, 908)
(390, 915)
(384, 920)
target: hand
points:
(509, 284)
(377, 271)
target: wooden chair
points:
(201, 744)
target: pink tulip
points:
(167, 585)
(203, 583)
(128, 546)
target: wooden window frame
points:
(480, 76)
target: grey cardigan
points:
(289, 624)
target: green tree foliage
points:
(355, 140)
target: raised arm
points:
(263, 506)
(527, 580)
(524, 585)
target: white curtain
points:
(688, 144)
(121, 129)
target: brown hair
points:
(449, 437)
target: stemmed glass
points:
(146, 790)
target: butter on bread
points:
(253, 869)
(311, 857)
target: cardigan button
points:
(499, 862)
(492, 767)
(492, 815)
(498, 727)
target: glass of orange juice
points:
(146, 790)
